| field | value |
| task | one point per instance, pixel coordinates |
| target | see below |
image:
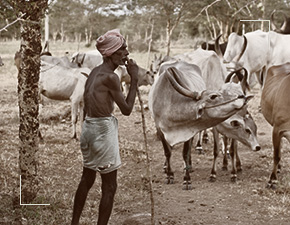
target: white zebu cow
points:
(89, 59)
(257, 51)
(93, 58)
(214, 74)
(60, 61)
(181, 107)
(61, 83)
(145, 77)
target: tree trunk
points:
(54, 35)
(168, 38)
(28, 78)
(62, 33)
(149, 44)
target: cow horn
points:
(283, 27)
(242, 78)
(237, 73)
(243, 49)
(245, 84)
(273, 26)
(217, 46)
(81, 63)
(85, 74)
(176, 83)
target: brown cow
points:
(275, 106)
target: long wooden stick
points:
(148, 164)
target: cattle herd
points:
(208, 88)
(194, 91)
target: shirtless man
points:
(99, 138)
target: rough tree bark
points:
(28, 78)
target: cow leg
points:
(279, 168)
(187, 155)
(74, 112)
(225, 159)
(205, 137)
(212, 177)
(188, 164)
(198, 146)
(81, 109)
(167, 152)
(276, 138)
(233, 148)
(238, 161)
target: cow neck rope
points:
(208, 107)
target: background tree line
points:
(84, 20)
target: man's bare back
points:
(103, 88)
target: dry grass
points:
(60, 165)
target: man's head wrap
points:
(110, 42)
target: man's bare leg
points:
(109, 187)
(87, 181)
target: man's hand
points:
(132, 69)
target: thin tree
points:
(32, 12)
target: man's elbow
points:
(126, 112)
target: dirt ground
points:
(246, 201)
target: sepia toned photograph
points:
(145, 112)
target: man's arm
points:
(125, 105)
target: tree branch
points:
(8, 25)
(205, 8)
(245, 6)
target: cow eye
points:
(212, 97)
(235, 124)
(248, 131)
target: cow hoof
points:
(239, 170)
(271, 185)
(169, 180)
(234, 179)
(212, 178)
(187, 185)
